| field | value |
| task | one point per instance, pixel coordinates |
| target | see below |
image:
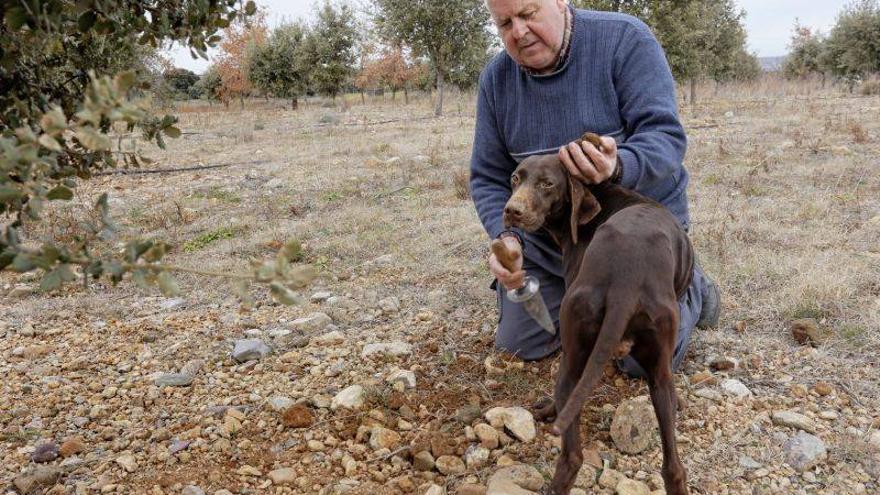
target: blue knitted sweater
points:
(615, 82)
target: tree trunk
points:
(693, 92)
(363, 98)
(438, 110)
(294, 103)
(405, 96)
(393, 94)
(241, 101)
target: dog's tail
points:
(610, 334)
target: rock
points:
(806, 332)
(793, 420)
(278, 333)
(279, 403)
(829, 415)
(128, 462)
(747, 462)
(71, 446)
(823, 389)
(709, 393)
(592, 458)
(315, 322)
(434, 489)
(627, 486)
(804, 451)
(476, 457)
(874, 439)
(449, 465)
(249, 350)
(223, 492)
(723, 363)
(610, 478)
(586, 477)
(735, 388)
(386, 349)
(283, 476)
(470, 489)
(297, 416)
(488, 436)
(45, 452)
(634, 427)
(406, 377)
(192, 490)
(389, 305)
(321, 296)
(702, 378)
(330, 338)
(350, 398)
(248, 470)
(183, 379)
(423, 461)
(178, 446)
(517, 420)
(383, 438)
(519, 479)
(468, 413)
(42, 476)
(172, 304)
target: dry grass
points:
(785, 202)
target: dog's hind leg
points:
(571, 458)
(658, 365)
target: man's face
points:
(531, 30)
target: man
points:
(566, 71)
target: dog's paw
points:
(544, 410)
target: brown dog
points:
(626, 261)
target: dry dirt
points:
(785, 198)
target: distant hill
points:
(771, 64)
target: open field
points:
(785, 202)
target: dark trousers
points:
(519, 334)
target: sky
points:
(768, 23)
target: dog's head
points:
(544, 194)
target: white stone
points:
(519, 479)
(794, 420)
(279, 403)
(128, 462)
(329, 338)
(315, 322)
(735, 388)
(408, 378)
(393, 349)
(350, 398)
(383, 438)
(627, 486)
(516, 419)
(283, 476)
(804, 451)
(476, 457)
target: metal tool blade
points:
(529, 295)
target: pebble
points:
(709, 393)
(792, 419)
(627, 486)
(128, 462)
(41, 476)
(634, 426)
(804, 451)
(386, 349)
(823, 389)
(279, 403)
(476, 457)
(283, 476)
(315, 322)
(449, 465)
(249, 349)
(517, 420)
(45, 452)
(351, 397)
(71, 446)
(488, 436)
(383, 438)
(406, 377)
(514, 479)
(829, 415)
(192, 490)
(320, 296)
(330, 338)
(183, 379)
(735, 388)
(423, 461)
(610, 478)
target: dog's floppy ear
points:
(584, 206)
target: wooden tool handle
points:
(507, 257)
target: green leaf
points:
(9, 193)
(22, 263)
(49, 142)
(51, 281)
(16, 17)
(167, 285)
(92, 139)
(86, 20)
(250, 8)
(172, 132)
(284, 295)
(60, 192)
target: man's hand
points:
(588, 164)
(510, 279)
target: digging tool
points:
(529, 295)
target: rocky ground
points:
(385, 381)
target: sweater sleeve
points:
(491, 164)
(646, 95)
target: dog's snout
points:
(513, 211)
